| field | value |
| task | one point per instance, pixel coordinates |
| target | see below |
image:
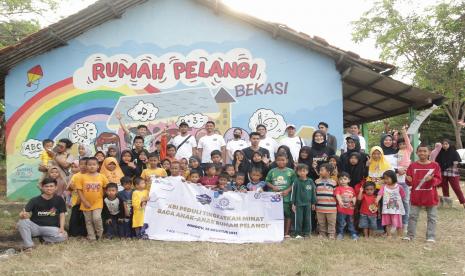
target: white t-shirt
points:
(209, 143)
(234, 145)
(185, 151)
(361, 140)
(271, 145)
(294, 144)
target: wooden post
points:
(414, 139)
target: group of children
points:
(107, 197)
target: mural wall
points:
(172, 61)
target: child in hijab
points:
(84, 151)
(54, 172)
(127, 164)
(378, 165)
(111, 169)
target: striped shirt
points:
(325, 199)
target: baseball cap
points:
(183, 124)
(288, 126)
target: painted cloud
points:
(31, 148)
(196, 120)
(275, 123)
(143, 112)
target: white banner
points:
(182, 211)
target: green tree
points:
(428, 44)
(18, 18)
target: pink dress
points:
(393, 208)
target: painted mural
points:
(160, 80)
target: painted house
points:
(161, 62)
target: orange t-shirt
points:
(92, 188)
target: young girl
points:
(258, 163)
(393, 208)
(84, 151)
(100, 157)
(211, 179)
(110, 168)
(377, 166)
(335, 162)
(357, 170)
(54, 172)
(139, 200)
(113, 152)
(304, 158)
(166, 164)
(77, 225)
(142, 160)
(184, 167)
(240, 163)
(127, 165)
(403, 162)
(194, 164)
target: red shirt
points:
(347, 194)
(367, 200)
(423, 193)
(209, 182)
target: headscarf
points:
(318, 146)
(381, 165)
(87, 150)
(290, 158)
(307, 161)
(435, 151)
(320, 151)
(357, 172)
(446, 158)
(113, 176)
(259, 165)
(346, 155)
(61, 180)
(127, 171)
(388, 150)
(116, 149)
(338, 162)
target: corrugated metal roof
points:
(58, 34)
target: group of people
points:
(329, 195)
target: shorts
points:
(367, 222)
(287, 208)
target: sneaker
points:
(287, 236)
(406, 238)
(430, 240)
(354, 237)
(340, 237)
(299, 237)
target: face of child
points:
(324, 172)
(230, 171)
(216, 158)
(387, 180)
(111, 192)
(175, 170)
(143, 157)
(48, 146)
(153, 161)
(126, 157)
(333, 162)
(353, 160)
(281, 162)
(171, 151)
(257, 158)
(304, 154)
(111, 166)
(195, 178)
(127, 186)
(166, 165)
(92, 166)
(302, 173)
(423, 153)
(112, 152)
(194, 163)
(211, 171)
(75, 168)
(54, 173)
(183, 164)
(376, 155)
(344, 181)
(370, 190)
(319, 138)
(141, 185)
(445, 145)
(100, 157)
(139, 144)
(255, 176)
(350, 144)
(142, 131)
(222, 181)
(81, 150)
(402, 146)
(240, 179)
(82, 166)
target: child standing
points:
(280, 180)
(54, 173)
(368, 209)
(77, 225)
(423, 176)
(326, 210)
(210, 180)
(139, 199)
(255, 184)
(126, 196)
(111, 169)
(153, 170)
(90, 188)
(393, 208)
(346, 200)
(403, 161)
(239, 183)
(303, 201)
(112, 212)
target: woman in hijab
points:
(84, 151)
(320, 151)
(290, 160)
(390, 152)
(127, 164)
(353, 145)
(435, 151)
(378, 165)
(448, 159)
(304, 158)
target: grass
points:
(292, 257)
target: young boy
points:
(176, 169)
(423, 176)
(46, 155)
(238, 184)
(90, 188)
(153, 170)
(303, 201)
(280, 180)
(216, 160)
(326, 209)
(126, 196)
(77, 225)
(210, 180)
(171, 152)
(255, 184)
(194, 176)
(368, 209)
(346, 199)
(222, 182)
(113, 211)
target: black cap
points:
(183, 124)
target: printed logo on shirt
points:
(50, 213)
(308, 187)
(268, 144)
(215, 139)
(92, 187)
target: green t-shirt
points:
(282, 178)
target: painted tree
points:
(18, 18)
(427, 43)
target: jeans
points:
(113, 229)
(126, 228)
(406, 202)
(342, 221)
(432, 218)
(94, 223)
(28, 229)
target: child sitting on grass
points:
(303, 201)
(139, 200)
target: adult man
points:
(186, 145)
(354, 130)
(43, 216)
(254, 147)
(293, 142)
(211, 142)
(142, 131)
(61, 158)
(237, 143)
(331, 140)
(267, 142)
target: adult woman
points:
(448, 159)
(389, 151)
(320, 152)
(353, 145)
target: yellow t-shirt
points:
(72, 186)
(92, 188)
(45, 158)
(147, 174)
(138, 210)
